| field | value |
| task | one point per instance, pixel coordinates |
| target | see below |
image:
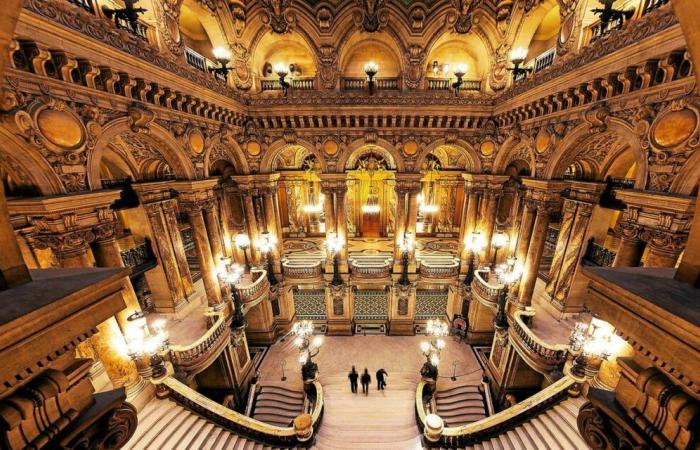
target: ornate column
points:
(71, 249)
(631, 249)
(201, 243)
(401, 191)
(489, 220)
(341, 221)
(166, 256)
(413, 191)
(271, 220)
(567, 222)
(169, 208)
(470, 218)
(211, 219)
(526, 225)
(574, 252)
(328, 208)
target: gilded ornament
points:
(61, 128)
(674, 128)
(488, 148)
(410, 148)
(253, 148)
(197, 141)
(542, 140)
(330, 147)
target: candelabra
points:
(232, 275)
(334, 245)
(499, 240)
(508, 274)
(436, 329)
(474, 243)
(308, 348)
(242, 241)
(223, 57)
(592, 344)
(459, 73)
(146, 342)
(282, 71)
(371, 70)
(265, 243)
(406, 247)
(517, 57)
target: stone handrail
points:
(241, 424)
(301, 269)
(196, 355)
(442, 269)
(486, 292)
(540, 355)
(370, 269)
(255, 290)
(488, 427)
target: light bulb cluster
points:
(509, 272)
(437, 329)
(334, 243)
(308, 347)
(266, 242)
(426, 208)
(231, 274)
(315, 207)
(144, 339)
(222, 54)
(475, 242)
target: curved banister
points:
(489, 426)
(220, 322)
(192, 356)
(520, 323)
(235, 421)
(250, 292)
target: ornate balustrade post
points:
(545, 196)
(402, 309)
(193, 198)
(631, 249)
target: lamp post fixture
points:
(406, 247)
(145, 343)
(265, 243)
(223, 57)
(474, 242)
(437, 329)
(232, 276)
(242, 241)
(592, 344)
(334, 245)
(371, 70)
(517, 57)
(499, 240)
(508, 274)
(128, 13)
(308, 348)
(460, 71)
(282, 71)
(609, 14)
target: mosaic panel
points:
(310, 304)
(430, 304)
(371, 305)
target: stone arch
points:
(471, 156)
(158, 137)
(452, 49)
(277, 147)
(687, 180)
(17, 155)
(389, 58)
(360, 147)
(298, 49)
(592, 151)
(514, 149)
(220, 149)
(201, 27)
(545, 15)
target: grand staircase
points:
(277, 405)
(552, 429)
(165, 425)
(460, 405)
(382, 420)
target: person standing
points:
(353, 375)
(366, 379)
(381, 382)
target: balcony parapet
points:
(253, 292)
(197, 356)
(484, 291)
(547, 359)
(370, 267)
(295, 269)
(439, 268)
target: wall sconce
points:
(460, 71)
(242, 241)
(406, 247)
(265, 243)
(223, 57)
(517, 57)
(282, 71)
(128, 13)
(608, 14)
(371, 70)
(146, 343)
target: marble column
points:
(534, 255)
(574, 250)
(170, 214)
(108, 344)
(328, 210)
(13, 271)
(470, 220)
(211, 220)
(206, 263)
(165, 253)
(567, 222)
(631, 249)
(341, 222)
(525, 233)
(664, 247)
(489, 220)
(400, 221)
(412, 216)
(271, 227)
(251, 223)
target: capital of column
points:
(663, 241)
(628, 231)
(65, 244)
(108, 231)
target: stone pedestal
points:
(402, 311)
(339, 310)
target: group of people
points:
(366, 379)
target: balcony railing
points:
(370, 266)
(139, 258)
(651, 5)
(598, 255)
(254, 291)
(195, 60)
(87, 5)
(486, 292)
(301, 269)
(546, 358)
(297, 84)
(545, 60)
(445, 84)
(197, 356)
(446, 267)
(597, 30)
(360, 83)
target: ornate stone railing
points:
(362, 267)
(252, 292)
(484, 429)
(197, 356)
(360, 83)
(439, 268)
(304, 425)
(301, 269)
(445, 84)
(548, 359)
(485, 292)
(599, 255)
